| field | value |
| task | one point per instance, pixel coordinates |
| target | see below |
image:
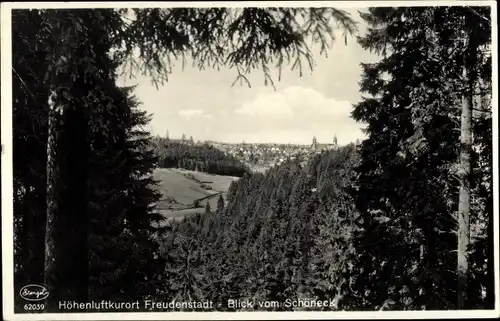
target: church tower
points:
(314, 144)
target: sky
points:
(202, 104)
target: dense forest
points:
(286, 234)
(197, 157)
(401, 221)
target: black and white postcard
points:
(249, 160)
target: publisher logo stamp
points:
(34, 292)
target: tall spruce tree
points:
(79, 67)
(415, 89)
(118, 150)
(125, 263)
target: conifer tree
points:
(220, 204)
(408, 114)
(74, 87)
(121, 192)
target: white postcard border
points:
(7, 173)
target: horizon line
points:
(245, 142)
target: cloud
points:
(295, 101)
(268, 104)
(295, 113)
(190, 112)
(307, 100)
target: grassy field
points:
(175, 185)
(217, 182)
(180, 191)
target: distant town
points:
(262, 156)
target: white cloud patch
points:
(267, 104)
(307, 100)
(295, 101)
(296, 114)
(190, 112)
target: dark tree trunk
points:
(32, 238)
(66, 254)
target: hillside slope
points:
(286, 234)
(181, 189)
